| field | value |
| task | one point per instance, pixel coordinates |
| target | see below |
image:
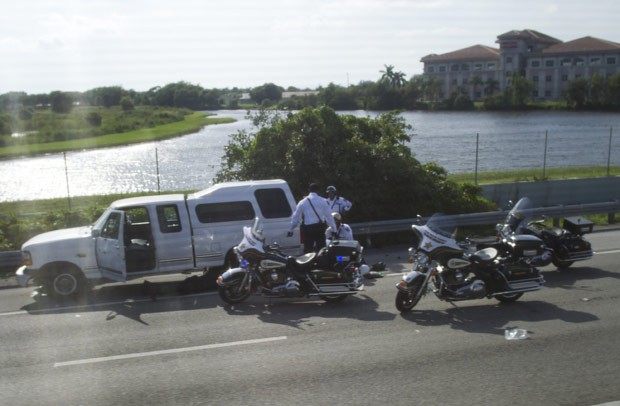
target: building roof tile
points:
(528, 34)
(585, 44)
(470, 53)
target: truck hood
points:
(66, 234)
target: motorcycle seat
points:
(306, 258)
(483, 256)
(554, 232)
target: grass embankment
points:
(536, 174)
(190, 124)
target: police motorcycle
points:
(332, 274)
(455, 272)
(564, 245)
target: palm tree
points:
(387, 74)
(395, 79)
(399, 79)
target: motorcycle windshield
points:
(442, 224)
(519, 213)
(257, 230)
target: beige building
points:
(547, 62)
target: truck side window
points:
(111, 227)
(229, 211)
(273, 203)
(168, 217)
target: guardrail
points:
(13, 258)
(10, 259)
(472, 219)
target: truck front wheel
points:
(65, 282)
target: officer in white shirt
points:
(314, 212)
(337, 203)
(343, 231)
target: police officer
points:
(342, 231)
(337, 203)
(313, 212)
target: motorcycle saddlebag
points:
(523, 245)
(344, 251)
(578, 225)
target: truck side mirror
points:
(95, 233)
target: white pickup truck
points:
(143, 236)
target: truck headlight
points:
(26, 258)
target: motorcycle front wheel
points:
(234, 294)
(406, 301)
(558, 263)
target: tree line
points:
(392, 90)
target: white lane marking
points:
(606, 252)
(164, 352)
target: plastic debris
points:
(515, 334)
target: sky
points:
(77, 45)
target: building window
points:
(478, 66)
(465, 81)
(535, 78)
(430, 69)
(464, 67)
(549, 63)
(442, 68)
(564, 77)
(548, 78)
(579, 62)
(454, 82)
(565, 62)
(454, 68)
(535, 64)
(509, 59)
(491, 66)
(611, 60)
(595, 61)
(547, 93)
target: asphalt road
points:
(124, 348)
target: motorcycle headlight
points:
(421, 259)
(411, 255)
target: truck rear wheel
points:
(65, 282)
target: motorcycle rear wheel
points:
(406, 301)
(333, 298)
(231, 294)
(509, 297)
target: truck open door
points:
(110, 247)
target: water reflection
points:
(506, 141)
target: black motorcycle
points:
(333, 274)
(564, 245)
(455, 273)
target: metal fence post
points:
(545, 156)
(476, 167)
(609, 151)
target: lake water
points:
(506, 141)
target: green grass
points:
(192, 123)
(535, 174)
